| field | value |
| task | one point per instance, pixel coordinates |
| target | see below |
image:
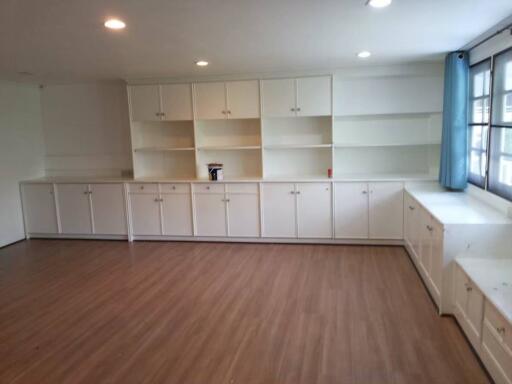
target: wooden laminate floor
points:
(200, 313)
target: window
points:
(500, 160)
(479, 111)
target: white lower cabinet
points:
(497, 345)
(145, 214)
(314, 210)
(412, 226)
(351, 213)
(210, 211)
(39, 208)
(386, 204)
(279, 210)
(108, 209)
(243, 214)
(176, 214)
(74, 208)
(468, 307)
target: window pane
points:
(486, 110)
(478, 84)
(478, 116)
(475, 163)
(500, 168)
(507, 108)
(487, 82)
(485, 129)
(508, 76)
(476, 137)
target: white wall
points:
(21, 153)
(86, 129)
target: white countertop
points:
(345, 178)
(494, 278)
(455, 207)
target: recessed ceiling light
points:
(364, 54)
(115, 24)
(201, 63)
(378, 3)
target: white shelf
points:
(228, 147)
(297, 146)
(163, 149)
(372, 145)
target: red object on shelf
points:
(329, 173)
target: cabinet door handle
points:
(430, 228)
(298, 192)
(229, 112)
(157, 114)
(469, 289)
(364, 192)
(292, 109)
(298, 109)
(223, 112)
(157, 200)
(411, 208)
(292, 192)
(173, 187)
(501, 330)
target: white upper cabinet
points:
(176, 102)
(243, 99)
(308, 96)
(279, 210)
(74, 208)
(314, 96)
(314, 210)
(210, 101)
(231, 100)
(386, 210)
(279, 97)
(108, 209)
(145, 102)
(161, 102)
(39, 208)
(351, 213)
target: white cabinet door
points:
(386, 210)
(461, 294)
(314, 96)
(39, 208)
(74, 208)
(351, 213)
(244, 215)
(176, 101)
(436, 261)
(210, 101)
(314, 210)
(243, 99)
(279, 210)
(210, 214)
(108, 209)
(278, 97)
(145, 213)
(425, 242)
(475, 312)
(177, 214)
(145, 102)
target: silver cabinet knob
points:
(430, 228)
(208, 187)
(364, 192)
(501, 330)
(411, 208)
(157, 200)
(174, 187)
(298, 109)
(292, 109)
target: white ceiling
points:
(64, 40)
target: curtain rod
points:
(499, 32)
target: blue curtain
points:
(453, 172)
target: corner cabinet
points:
(369, 210)
(39, 209)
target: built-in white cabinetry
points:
(210, 210)
(243, 207)
(497, 345)
(279, 210)
(302, 210)
(230, 100)
(369, 210)
(412, 230)
(74, 208)
(108, 209)
(39, 208)
(163, 209)
(351, 210)
(386, 204)
(310, 96)
(468, 307)
(170, 102)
